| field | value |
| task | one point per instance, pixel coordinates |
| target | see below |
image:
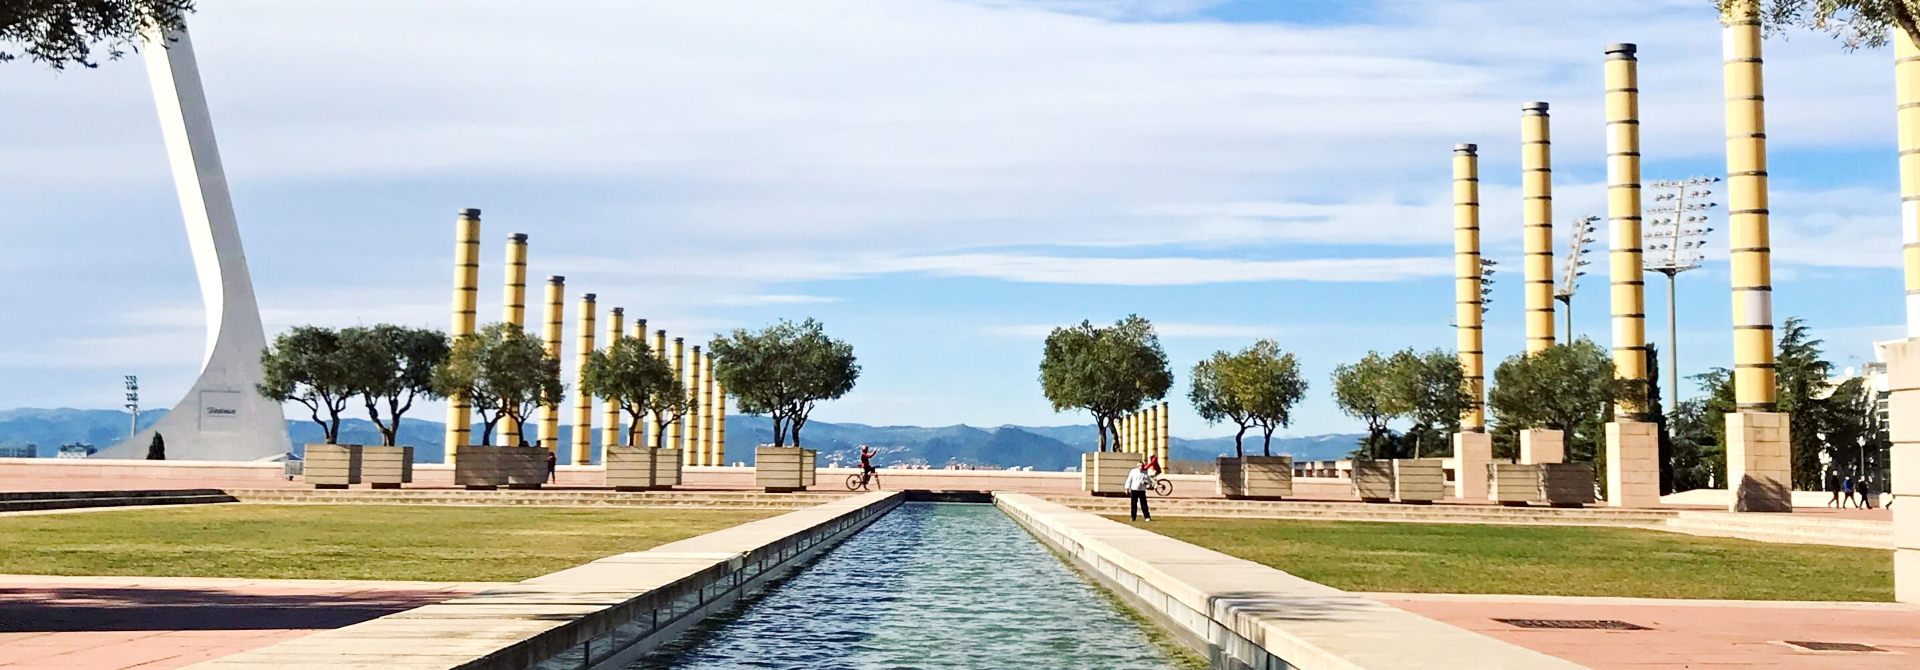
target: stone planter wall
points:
(782, 469)
(1418, 480)
(1230, 478)
(332, 466)
(1511, 484)
(526, 467)
(629, 468)
(1267, 477)
(1567, 484)
(478, 467)
(666, 468)
(1373, 480)
(1109, 474)
(386, 467)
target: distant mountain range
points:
(1043, 448)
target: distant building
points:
(76, 450)
(28, 450)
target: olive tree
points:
(1432, 390)
(1366, 390)
(309, 366)
(393, 366)
(783, 371)
(1258, 386)
(1856, 23)
(66, 32)
(504, 371)
(1565, 387)
(1108, 371)
(628, 374)
(1215, 399)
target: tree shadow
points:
(108, 608)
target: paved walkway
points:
(152, 623)
(1688, 633)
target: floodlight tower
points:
(133, 406)
(1578, 239)
(1675, 239)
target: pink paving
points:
(153, 623)
(1696, 634)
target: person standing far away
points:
(1137, 482)
(1846, 486)
(553, 467)
(1833, 487)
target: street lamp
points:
(1675, 241)
(133, 405)
(1579, 236)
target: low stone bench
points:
(482, 467)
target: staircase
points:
(1355, 511)
(35, 501)
(1790, 528)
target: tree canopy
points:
(629, 373)
(503, 371)
(1258, 386)
(1365, 390)
(1856, 23)
(309, 366)
(1566, 387)
(68, 32)
(783, 371)
(1107, 371)
(392, 365)
(1432, 391)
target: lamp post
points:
(133, 405)
(1675, 240)
(1579, 236)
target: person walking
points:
(1833, 487)
(1138, 481)
(1846, 488)
(1866, 493)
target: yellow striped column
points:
(1625, 268)
(1466, 285)
(466, 294)
(696, 446)
(1536, 215)
(719, 422)
(1759, 462)
(710, 392)
(610, 434)
(555, 331)
(1166, 434)
(514, 305)
(583, 401)
(675, 439)
(1906, 70)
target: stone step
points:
(11, 496)
(1783, 528)
(1392, 513)
(713, 500)
(1234, 507)
(160, 498)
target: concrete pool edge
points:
(1242, 614)
(611, 610)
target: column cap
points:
(1535, 106)
(677, 340)
(589, 297)
(619, 310)
(696, 348)
(1465, 148)
(661, 332)
(557, 279)
(471, 212)
(1622, 50)
(517, 237)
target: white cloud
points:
(1168, 271)
(1166, 330)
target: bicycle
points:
(858, 481)
(1162, 487)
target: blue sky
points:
(940, 181)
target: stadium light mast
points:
(1675, 241)
(1579, 237)
(133, 405)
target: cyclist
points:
(866, 467)
(1153, 463)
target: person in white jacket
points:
(1138, 481)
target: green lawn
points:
(398, 542)
(1543, 560)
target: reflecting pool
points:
(929, 585)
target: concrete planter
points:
(526, 467)
(1108, 475)
(1567, 484)
(1373, 480)
(1515, 485)
(1231, 477)
(783, 469)
(1256, 477)
(332, 466)
(1418, 480)
(642, 468)
(666, 468)
(481, 467)
(386, 467)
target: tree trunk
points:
(1240, 450)
(1267, 446)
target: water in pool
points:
(928, 585)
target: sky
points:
(939, 181)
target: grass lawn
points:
(396, 542)
(1543, 560)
